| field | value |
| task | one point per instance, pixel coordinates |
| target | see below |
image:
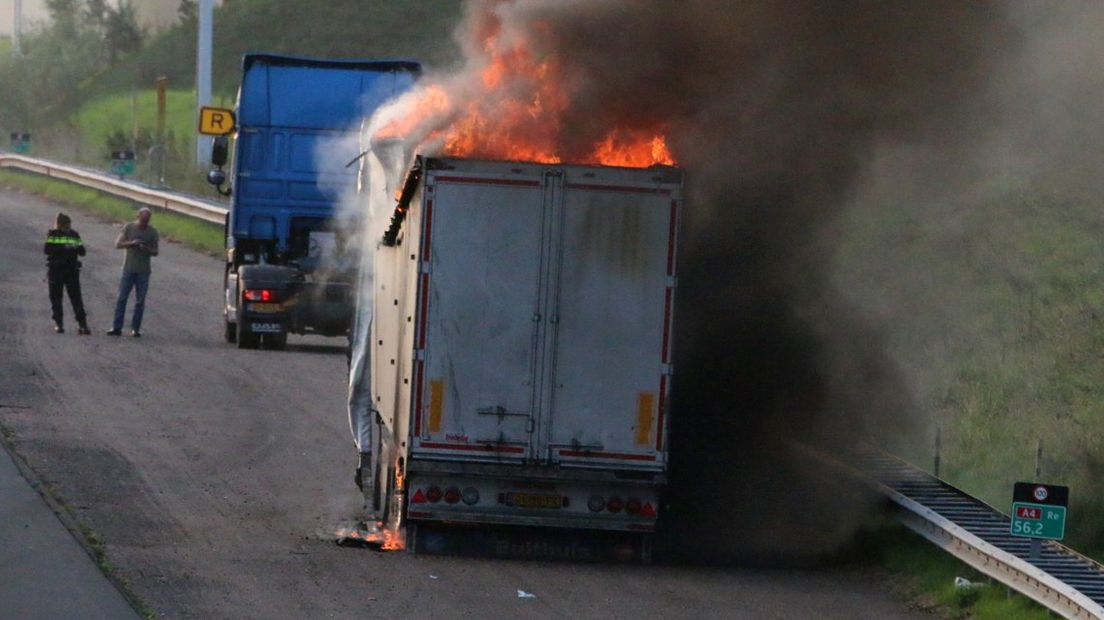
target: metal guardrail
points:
(1060, 579)
(192, 207)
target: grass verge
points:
(88, 538)
(194, 233)
(927, 577)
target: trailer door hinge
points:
(530, 426)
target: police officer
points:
(63, 246)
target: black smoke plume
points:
(772, 108)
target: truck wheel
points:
(275, 342)
(246, 340)
(231, 333)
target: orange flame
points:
(385, 538)
(514, 106)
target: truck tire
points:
(248, 341)
(230, 329)
(245, 339)
(275, 342)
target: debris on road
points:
(961, 583)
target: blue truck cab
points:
(289, 255)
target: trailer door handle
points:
(499, 410)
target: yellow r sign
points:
(216, 121)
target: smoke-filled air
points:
(779, 112)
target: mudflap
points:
(528, 543)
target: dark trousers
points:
(68, 280)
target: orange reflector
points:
(436, 396)
(645, 406)
(419, 497)
(647, 510)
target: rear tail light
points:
(596, 503)
(647, 510)
(419, 497)
(470, 496)
(615, 505)
(632, 506)
(259, 294)
(433, 494)
(452, 495)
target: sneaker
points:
(84, 331)
(58, 329)
(135, 333)
(114, 332)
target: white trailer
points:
(513, 363)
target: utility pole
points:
(17, 29)
(204, 46)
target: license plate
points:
(264, 307)
(536, 500)
(265, 328)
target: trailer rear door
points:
(614, 264)
(479, 315)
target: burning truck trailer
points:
(511, 358)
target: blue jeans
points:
(140, 283)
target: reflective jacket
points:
(62, 249)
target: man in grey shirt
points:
(139, 239)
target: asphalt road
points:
(216, 476)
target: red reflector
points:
(647, 510)
(433, 494)
(419, 497)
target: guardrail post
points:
(938, 447)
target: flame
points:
(392, 541)
(387, 539)
(512, 104)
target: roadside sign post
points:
(122, 163)
(1039, 513)
(20, 142)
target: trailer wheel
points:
(646, 548)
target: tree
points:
(63, 15)
(188, 11)
(97, 11)
(121, 30)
